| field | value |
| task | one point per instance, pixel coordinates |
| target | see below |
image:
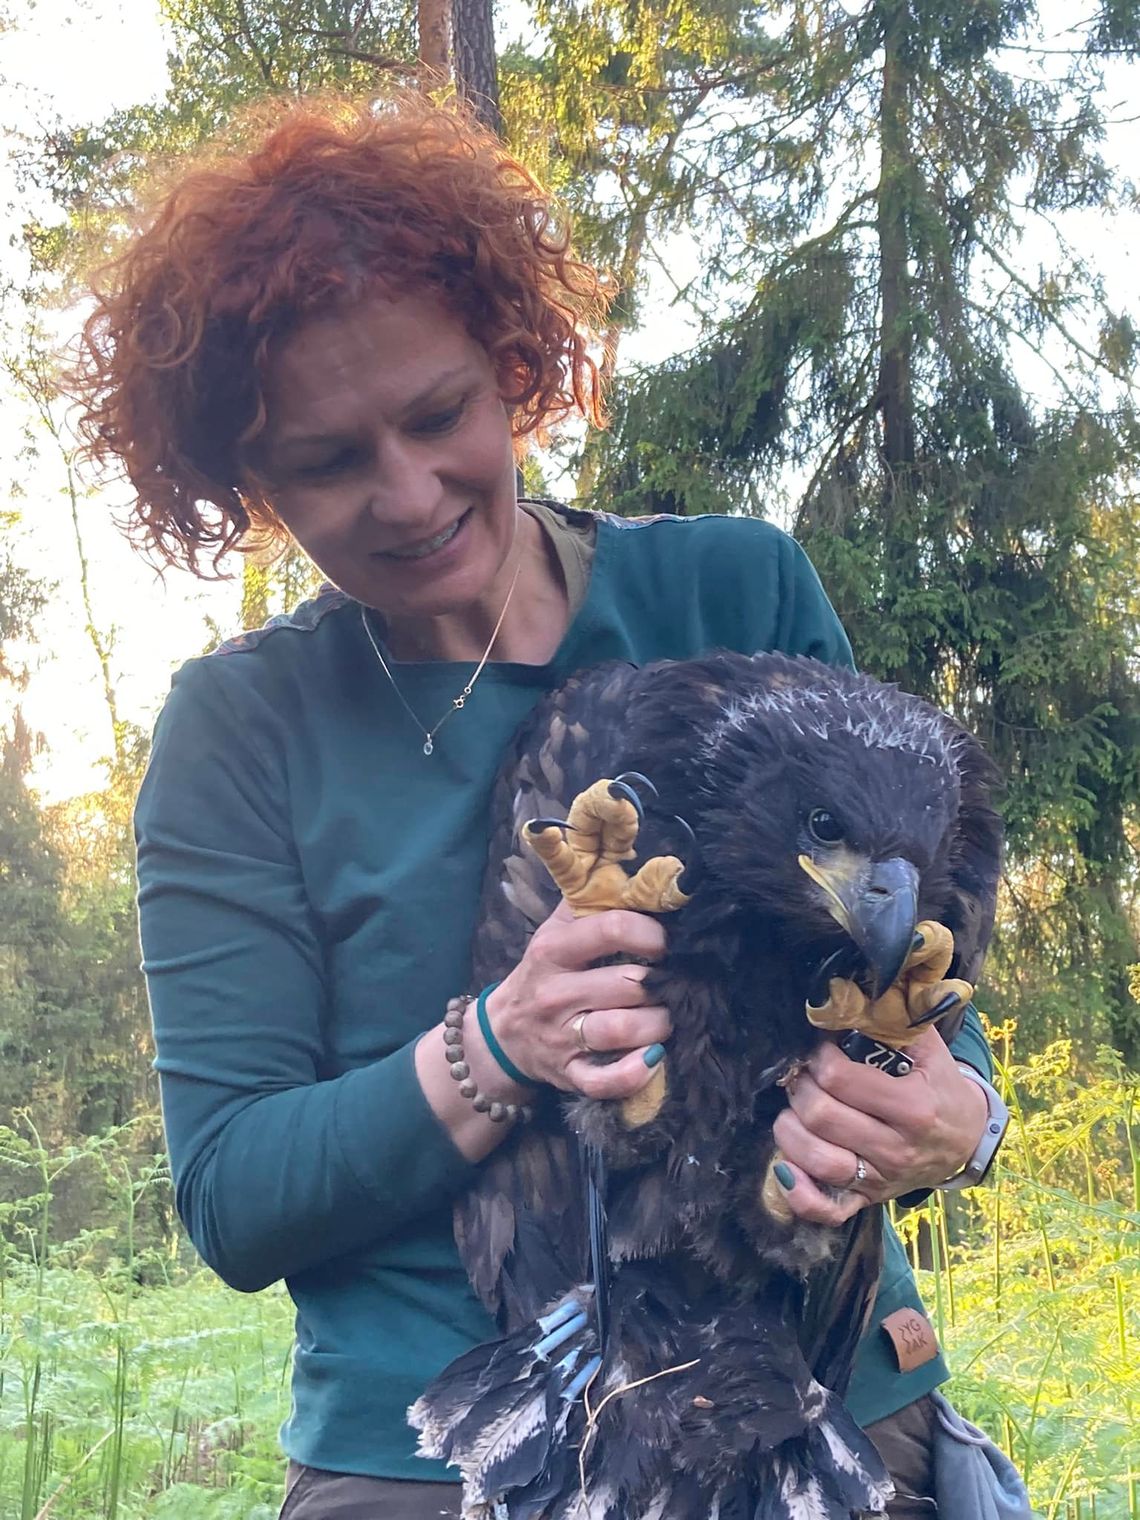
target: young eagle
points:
(701, 1378)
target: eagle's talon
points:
(920, 996)
(951, 1000)
(621, 792)
(686, 829)
(694, 872)
(635, 778)
(540, 825)
(819, 989)
(589, 869)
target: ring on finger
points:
(577, 1024)
(860, 1171)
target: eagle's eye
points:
(824, 827)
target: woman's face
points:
(388, 453)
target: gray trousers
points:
(312, 1494)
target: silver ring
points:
(860, 1171)
(576, 1024)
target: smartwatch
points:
(997, 1122)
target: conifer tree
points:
(948, 426)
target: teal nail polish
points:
(654, 1054)
(784, 1175)
(918, 941)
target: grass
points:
(133, 1385)
(1034, 1285)
(169, 1411)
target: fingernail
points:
(918, 941)
(944, 1006)
(654, 1054)
(785, 1176)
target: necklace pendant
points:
(428, 745)
(457, 702)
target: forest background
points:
(870, 258)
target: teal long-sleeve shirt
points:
(308, 885)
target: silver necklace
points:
(456, 702)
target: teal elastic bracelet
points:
(493, 1045)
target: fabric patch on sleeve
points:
(912, 1337)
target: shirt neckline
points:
(428, 673)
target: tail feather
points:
(698, 1412)
(847, 1459)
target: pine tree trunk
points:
(476, 75)
(434, 21)
(895, 398)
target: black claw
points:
(694, 872)
(686, 830)
(537, 825)
(951, 1000)
(619, 789)
(835, 965)
(635, 778)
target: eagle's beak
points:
(876, 901)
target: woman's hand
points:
(557, 1009)
(551, 1016)
(909, 1132)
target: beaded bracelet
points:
(496, 1111)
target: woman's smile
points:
(428, 548)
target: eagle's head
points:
(830, 804)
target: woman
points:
(344, 334)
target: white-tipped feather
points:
(433, 1432)
(873, 715)
(600, 1503)
(806, 1502)
(656, 1510)
(498, 1441)
(848, 1461)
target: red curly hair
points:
(331, 203)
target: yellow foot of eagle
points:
(583, 856)
(896, 1018)
(904, 1010)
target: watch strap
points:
(997, 1122)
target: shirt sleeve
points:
(808, 623)
(275, 1170)
(971, 1046)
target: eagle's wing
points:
(975, 866)
(529, 1200)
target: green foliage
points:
(131, 1383)
(22, 599)
(224, 55)
(954, 439)
(74, 1030)
(1036, 1283)
(74, 1026)
(953, 435)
